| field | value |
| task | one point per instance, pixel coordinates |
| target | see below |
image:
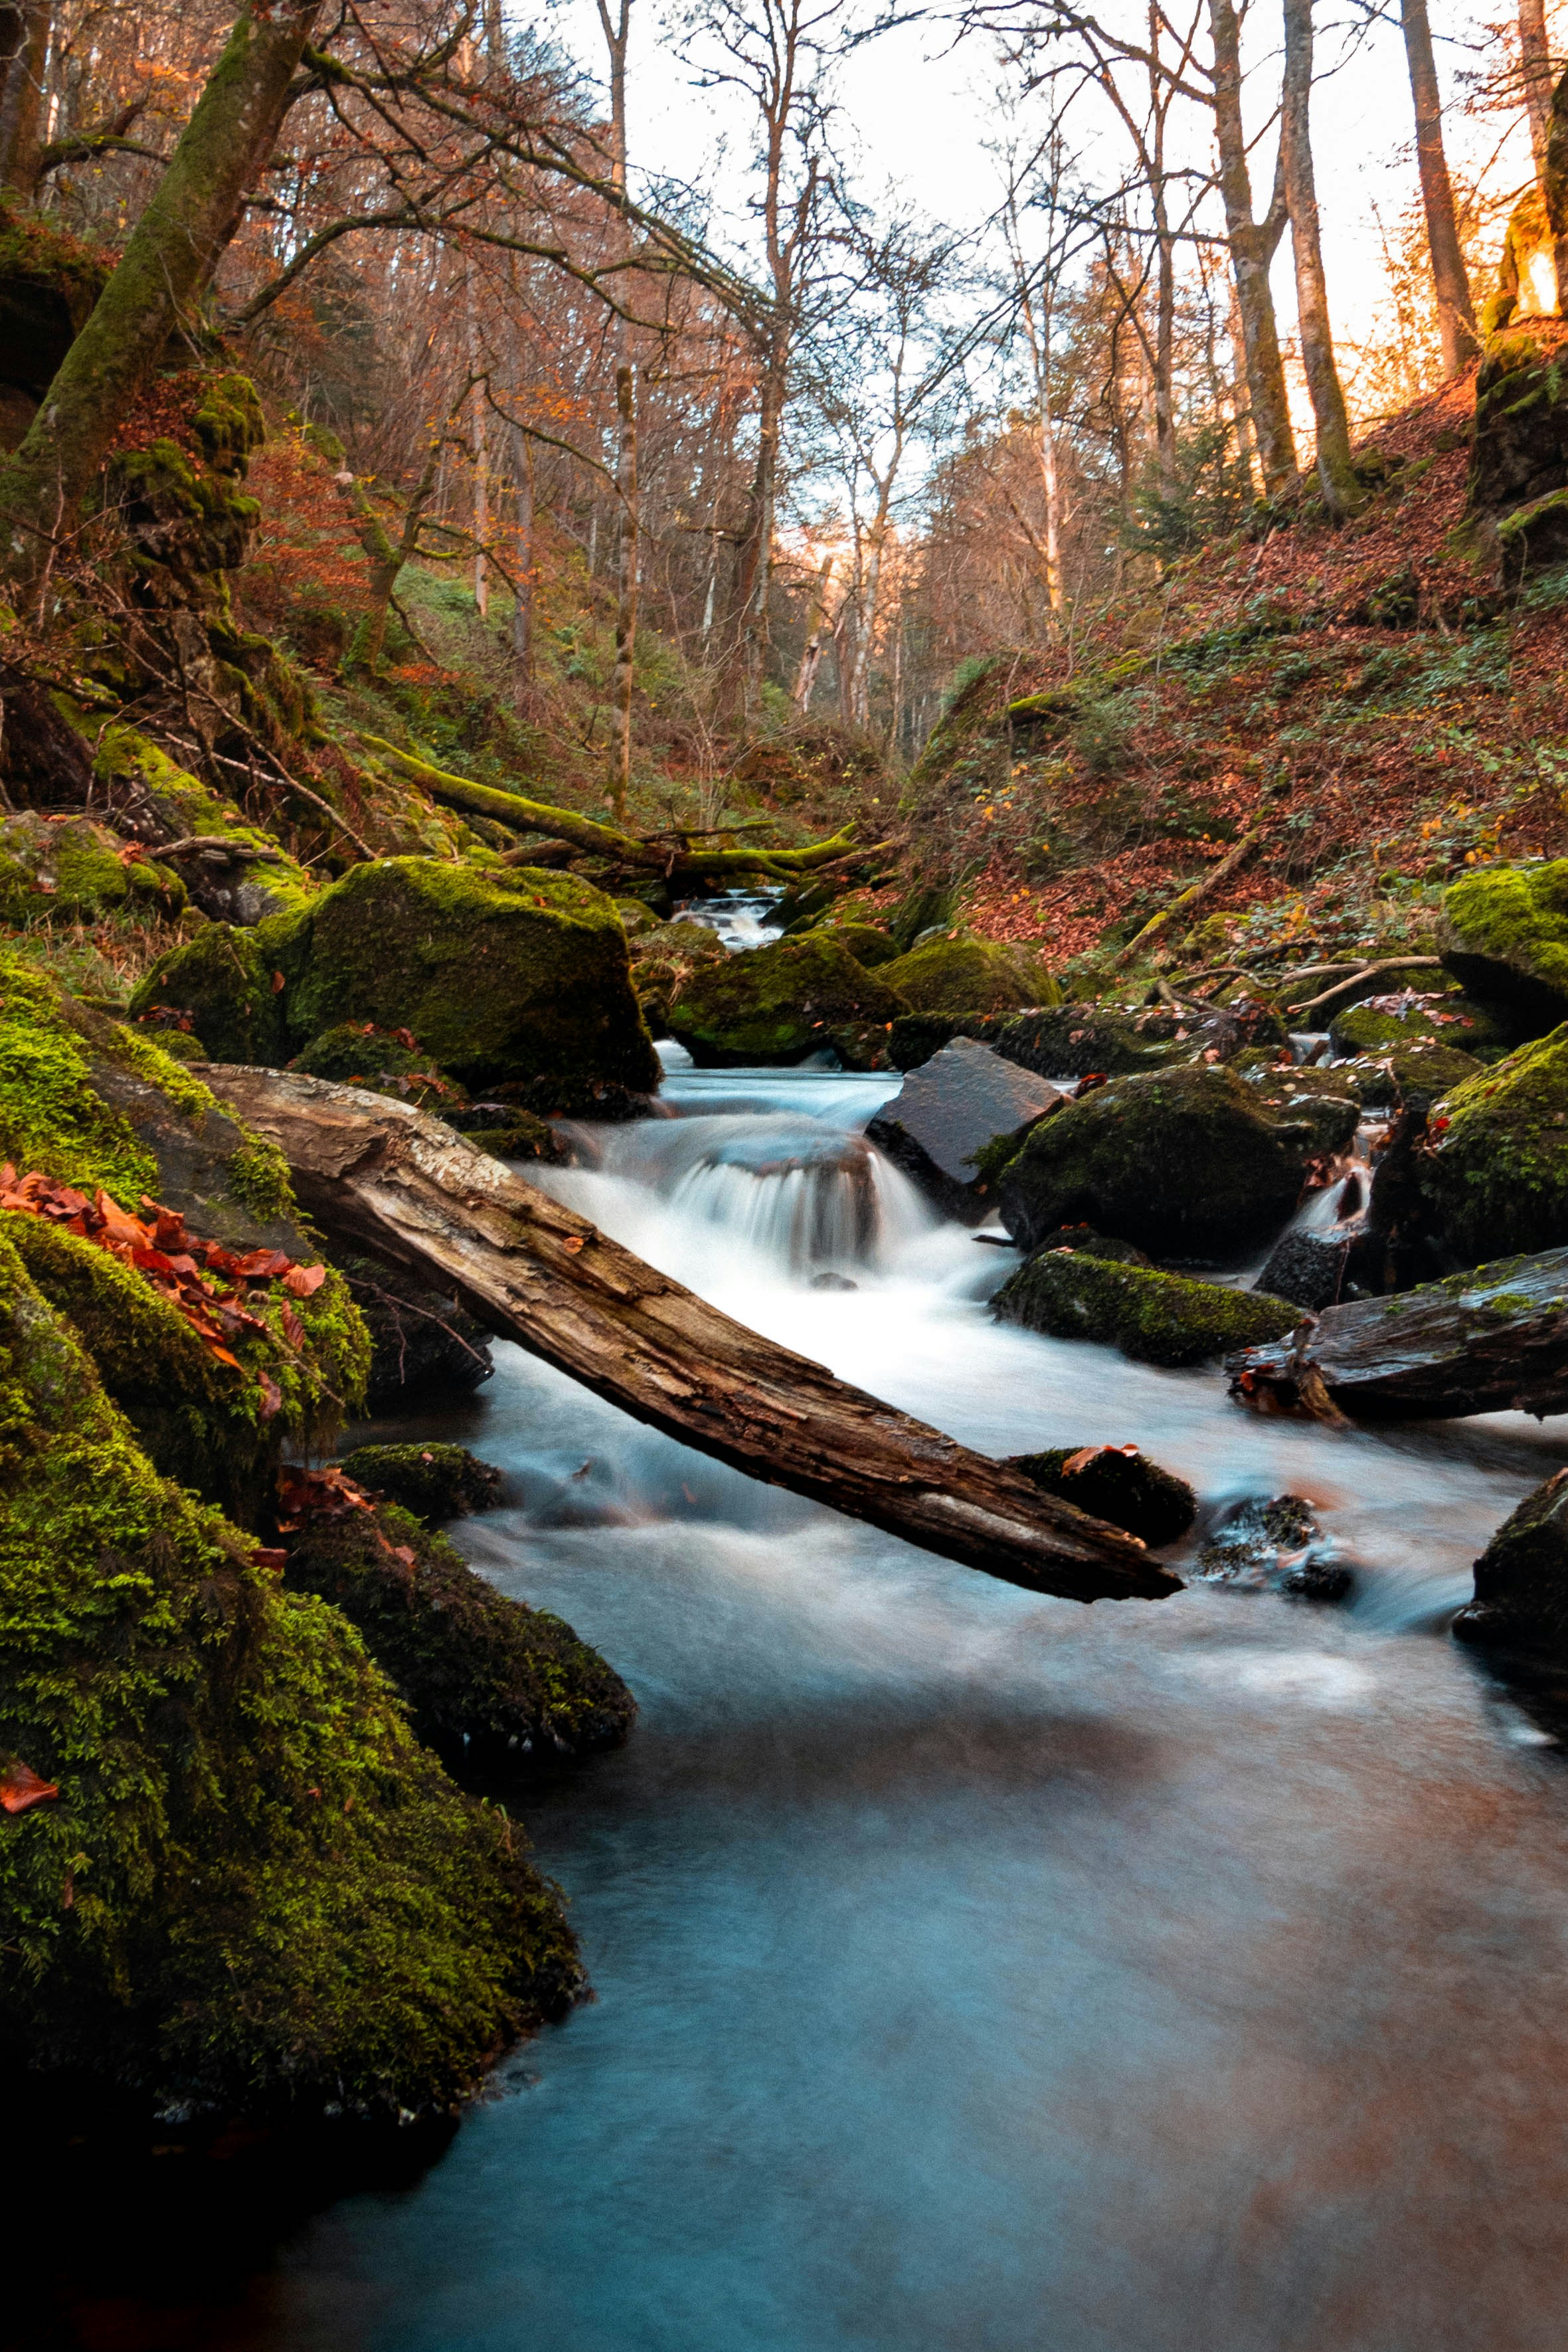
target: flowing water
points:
(975, 1972)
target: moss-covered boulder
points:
(1115, 1483)
(489, 1683)
(243, 1885)
(1157, 1317)
(244, 876)
(869, 946)
(778, 1003)
(227, 983)
(435, 1481)
(1504, 936)
(1317, 1099)
(73, 871)
(662, 958)
(1078, 1040)
(1521, 1579)
(967, 975)
(1186, 1162)
(358, 1054)
(507, 976)
(1389, 1024)
(1497, 1180)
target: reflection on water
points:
(978, 1973)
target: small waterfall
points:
(743, 919)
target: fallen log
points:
(1183, 907)
(1491, 1341)
(403, 1185)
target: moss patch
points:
(1498, 1181)
(777, 1004)
(225, 982)
(435, 1481)
(1159, 1318)
(959, 976)
(1505, 936)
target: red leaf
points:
(269, 1556)
(293, 1330)
(278, 983)
(261, 1265)
(304, 1281)
(20, 1786)
(406, 1037)
(116, 1225)
(271, 1397)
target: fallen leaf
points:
(21, 1786)
(573, 1242)
(304, 1281)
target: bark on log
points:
(411, 1190)
(1491, 1341)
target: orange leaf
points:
(573, 1242)
(20, 1786)
(304, 1281)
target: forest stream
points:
(973, 1971)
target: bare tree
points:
(1456, 311)
(1253, 244)
(1335, 472)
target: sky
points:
(923, 111)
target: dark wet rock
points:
(1084, 1239)
(1070, 1041)
(1185, 1162)
(491, 1685)
(1312, 1098)
(1401, 1018)
(1521, 1578)
(423, 1345)
(1155, 1318)
(508, 1132)
(1504, 936)
(1116, 1483)
(435, 1481)
(1275, 1546)
(1306, 1269)
(778, 1003)
(948, 1111)
(1495, 1177)
(827, 1280)
(967, 975)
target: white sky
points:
(922, 113)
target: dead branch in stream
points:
(402, 1184)
(1491, 1341)
(669, 853)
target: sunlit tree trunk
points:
(616, 27)
(1455, 312)
(166, 267)
(1253, 244)
(817, 634)
(1535, 59)
(1335, 472)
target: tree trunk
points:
(523, 601)
(392, 1179)
(1253, 244)
(1535, 60)
(1465, 1346)
(166, 267)
(1455, 312)
(1341, 490)
(25, 27)
(627, 557)
(817, 634)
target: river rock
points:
(1275, 1545)
(423, 1345)
(1306, 1269)
(960, 975)
(1495, 1180)
(1116, 1483)
(948, 1111)
(869, 945)
(1153, 1316)
(491, 1685)
(1504, 936)
(435, 1481)
(1316, 1099)
(1521, 1579)
(777, 1004)
(1185, 1162)
(1405, 1017)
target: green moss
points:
(1505, 936)
(1155, 1318)
(487, 1679)
(1181, 1161)
(1498, 1179)
(1115, 1483)
(51, 1116)
(255, 1890)
(777, 1004)
(512, 976)
(358, 1054)
(435, 1481)
(225, 982)
(1451, 1021)
(228, 423)
(963, 976)
(265, 880)
(869, 946)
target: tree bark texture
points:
(1335, 472)
(410, 1188)
(1253, 244)
(166, 267)
(1491, 1341)
(1535, 62)
(1456, 311)
(24, 27)
(817, 632)
(627, 561)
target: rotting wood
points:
(1491, 1341)
(403, 1184)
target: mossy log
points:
(414, 1190)
(670, 855)
(1491, 1341)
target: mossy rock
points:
(635, 918)
(435, 1481)
(227, 983)
(1186, 1162)
(508, 976)
(358, 1054)
(1497, 1182)
(422, 1344)
(254, 1891)
(489, 1683)
(1115, 1483)
(778, 1003)
(1521, 1579)
(681, 943)
(258, 881)
(1155, 1318)
(967, 975)
(1504, 936)
(74, 872)
(1076, 1040)
(870, 947)
(1447, 1019)
(1317, 1099)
